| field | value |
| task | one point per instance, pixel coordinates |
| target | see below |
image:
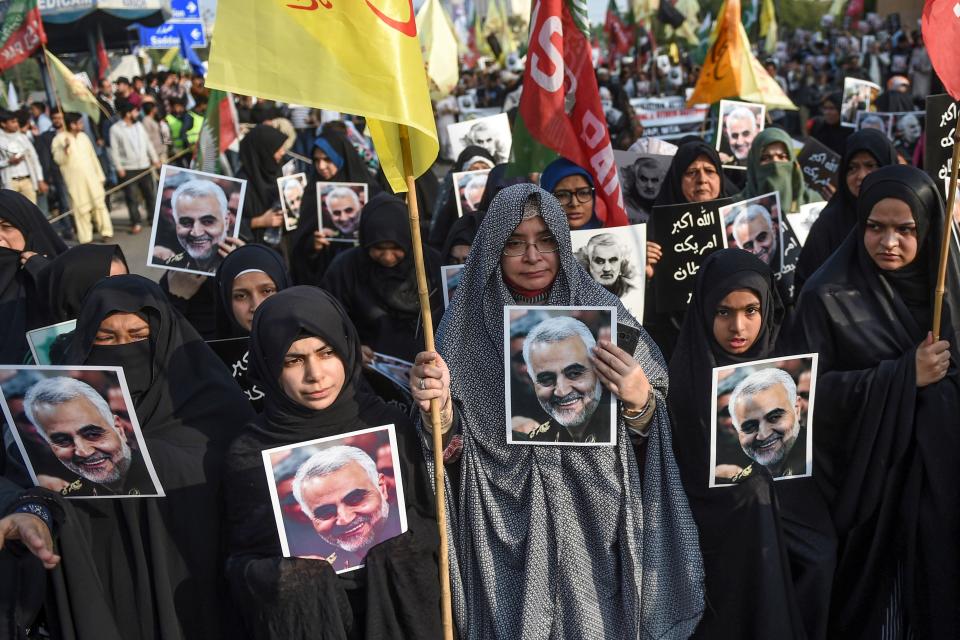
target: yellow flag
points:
(359, 57)
(71, 92)
(768, 26)
(732, 71)
(169, 57)
(440, 45)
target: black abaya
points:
(20, 302)
(396, 595)
(886, 451)
(840, 215)
(773, 542)
(383, 302)
(261, 170)
(148, 568)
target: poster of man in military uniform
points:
(556, 351)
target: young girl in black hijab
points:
(334, 160)
(887, 446)
(26, 241)
(376, 282)
(773, 543)
(396, 595)
(865, 151)
(149, 567)
(245, 278)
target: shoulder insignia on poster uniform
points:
(73, 487)
(332, 558)
(174, 259)
(540, 430)
(743, 475)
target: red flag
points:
(560, 104)
(618, 33)
(22, 32)
(103, 61)
(941, 33)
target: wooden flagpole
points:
(947, 232)
(435, 420)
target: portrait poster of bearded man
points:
(615, 257)
(291, 189)
(77, 431)
(341, 206)
(195, 213)
(558, 363)
(492, 133)
(770, 409)
(754, 225)
(739, 124)
(336, 498)
(470, 187)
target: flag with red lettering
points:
(21, 32)
(619, 35)
(941, 33)
(560, 105)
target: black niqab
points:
(839, 216)
(149, 567)
(246, 258)
(885, 456)
(396, 595)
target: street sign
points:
(167, 35)
(185, 9)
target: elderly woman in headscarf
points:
(27, 241)
(148, 567)
(888, 393)
(775, 542)
(573, 187)
(472, 158)
(376, 282)
(334, 160)
(865, 151)
(305, 354)
(547, 541)
(695, 175)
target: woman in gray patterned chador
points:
(554, 542)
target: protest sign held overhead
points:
(687, 233)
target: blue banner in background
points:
(185, 9)
(168, 35)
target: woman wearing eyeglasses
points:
(572, 186)
(550, 541)
(774, 541)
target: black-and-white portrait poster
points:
(687, 233)
(762, 414)
(492, 133)
(77, 431)
(554, 395)
(195, 212)
(738, 124)
(291, 189)
(640, 178)
(615, 257)
(336, 498)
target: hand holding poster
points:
(195, 213)
(762, 415)
(819, 165)
(312, 484)
(77, 431)
(556, 370)
(687, 233)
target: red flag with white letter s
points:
(560, 104)
(941, 33)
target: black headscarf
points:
(19, 299)
(839, 216)
(261, 171)
(132, 567)
(396, 595)
(249, 257)
(742, 538)
(306, 265)
(831, 135)
(66, 280)
(671, 190)
(884, 454)
(446, 216)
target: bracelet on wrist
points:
(633, 416)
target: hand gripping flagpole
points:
(435, 420)
(947, 232)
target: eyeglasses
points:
(565, 196)
(515, 247)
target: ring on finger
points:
(423, 384)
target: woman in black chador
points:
(397, 594)
(887, 447)
(773, 541)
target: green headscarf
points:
(785, 177)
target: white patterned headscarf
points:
(552, 542)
